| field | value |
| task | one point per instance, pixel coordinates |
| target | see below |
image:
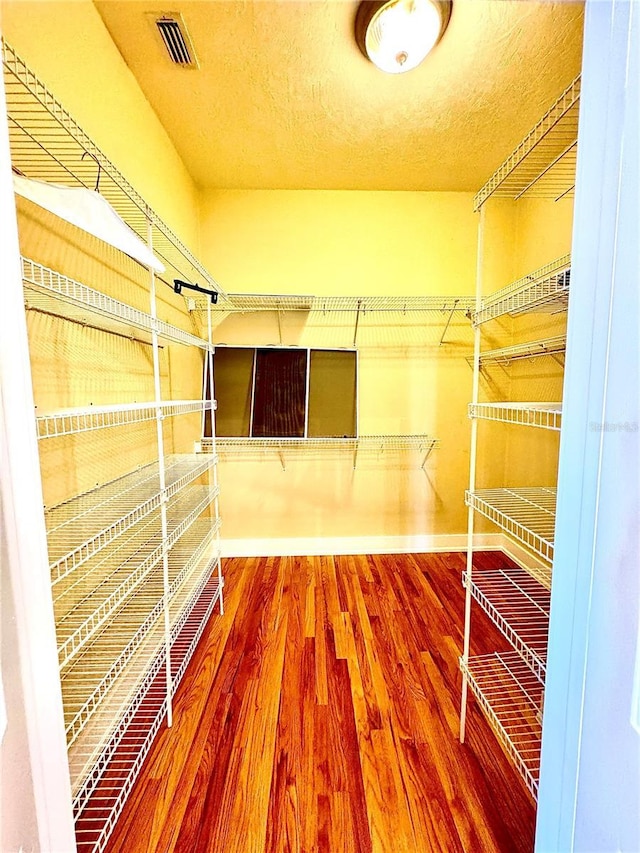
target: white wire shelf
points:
(48, 291)
(543, 415)
(99, 740)
(105, 674)
(527, 514)
(247, 447)
(543, 165)
(83, 606)
(254, 302)
(519, 605)
(534, 349)
(546, 290)
(510, 695)
(84, 525)
(73, 421)
(341, 311)
(48, 145)
(99, 803)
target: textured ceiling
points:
(284, 99)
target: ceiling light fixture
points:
(396, 35)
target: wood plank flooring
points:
(321, 714)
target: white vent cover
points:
(175, 38)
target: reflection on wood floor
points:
(320, 713)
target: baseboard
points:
(319, 546)
(519, 554)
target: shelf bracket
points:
(355, 455)
(455, 305)
(427, 455)
(355, 331)
(281, 457)
(279, 312)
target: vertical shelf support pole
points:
(472, 476)
(162, 479)
(205, 388)
(216, 502)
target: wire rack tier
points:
(84, 606)
(519, 605)
(510, 695)
(84, 525)
(253, 302)
(543, 415)
(99, 803)
(546, 290)
(543, 165)
(47, 144)
(373, 442)
(53, 293)
(553, 346)
(420, 443)
(93, 739)
(526, 514)
(105, 670)
(87, 418)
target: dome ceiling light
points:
(396, 35)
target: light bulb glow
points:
(402, 33)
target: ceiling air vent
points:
(176, 40)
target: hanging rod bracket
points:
(178, 285)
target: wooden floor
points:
(321, 714)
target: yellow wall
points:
(354, 243)
(338, 242)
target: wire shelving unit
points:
(543, 415)
(253, 302)
(83, 526)
(529, 515)
(554, 346)
(345, 309)
(543, 165)
(96, 730)
(84, 606)
(509, 687)
(95, 673)
(135, 562)
(48, 291)
(99, 804)
(544, 290)
(510, 695)
(422, 444)
(85, 419)
(519, 605)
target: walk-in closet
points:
(319, 363)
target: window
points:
(285, 393)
